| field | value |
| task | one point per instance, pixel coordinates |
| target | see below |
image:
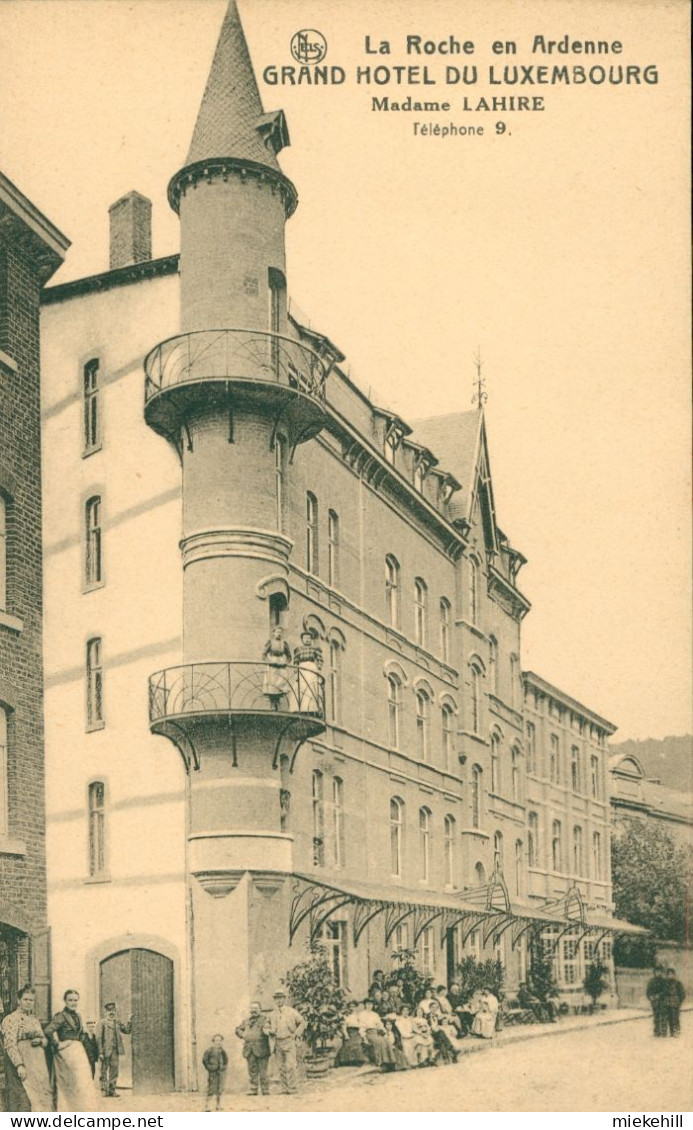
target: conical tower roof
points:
(231, 121)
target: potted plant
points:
(322, 1004)
(596, 981)
(415, 985)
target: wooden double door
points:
(140, 981)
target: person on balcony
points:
(308, 660)
(277, 656)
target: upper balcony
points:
(184, 700)
(285, 375)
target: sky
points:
(558, 248)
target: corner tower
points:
(234, 393)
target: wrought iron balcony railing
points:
(235, 688)
(235, 355)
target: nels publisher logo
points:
(308, 46)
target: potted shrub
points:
(415, 985)
(322, 1004)
(596, 981)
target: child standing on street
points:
(215, 1061)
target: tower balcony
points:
(286, 704)
(227, 366)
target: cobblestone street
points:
(584, 1065)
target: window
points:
(554, 761)
(495, 764)
(279, 465)
(474, 944)
(422, 725)
(318, 819)
(336, 682)
(449, 847)
(473, 578)
(570, 962)
(333, 936)
(476, 796)
(426, 950)
(424, 843)
(577, 850)
(94, 563)
(92, 415)
(401, 937)
(516, 766)
(448, 730)
(3, 552)
(97, 828)
(498, 850)
(338, 821)
(475, 692)
(480, 874)
(556, 846)
(531, 748)
(445, 628)
(420, 611)
(333, 548)
(276, 294)
(392, 590)
(596, 855)
(533, 840)
(394, 707)
(419, 476)
(493, 664)
(594, 775)
(519, 869)
(575, 768)
(94, 685)
(4, 774)
(312, 561)
(396, 831)
(515, 682)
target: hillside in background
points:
(669, 760)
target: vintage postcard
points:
(345, 754)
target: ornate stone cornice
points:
(221, 168)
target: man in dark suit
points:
(110, 1042)
(256, 1048)
(673, 997)
(657, 996)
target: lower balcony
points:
(284, 703)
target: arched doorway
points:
(140, 981)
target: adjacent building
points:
(284, 688)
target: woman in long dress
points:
(72, 1068)
(277, 656)
(24, 1042)
(308, 660)
(485, 1020)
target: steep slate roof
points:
(231, 108)
(454, 439)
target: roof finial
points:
(480, 395)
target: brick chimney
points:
(131, 230)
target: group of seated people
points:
(394, 1032)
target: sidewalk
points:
(236, 1100)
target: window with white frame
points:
(333, 548)
(426, 943)
(392, 590)
(495, 765)
(400, 938)
(396, 834)
(318, 819)
(333, 937)
(554, 760)
(423, 716)
(571, 960)
(578, 863)
(594, 776)
(596, 855)
(91, 387)
(338, 830)
(477, 795)
(531, 748)
(97, 828)
(93, 539)
(95, 712)
(450, 827)
(575, 768)
(420, 612)
(475, 697)
(424, 843)
(556, 846)
(447, 717)
(312, 556)
(533, 839)
(394, 709)
(445, 628)
(4, 773)
(498, 849)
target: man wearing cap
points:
(110, 1044)
(253, 1031)
(287, 1026)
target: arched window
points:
(93, 555)
(279, 466)
(477, 782)
(519, 868)
(533, 840)
(473, 578)
(554, 760)
(445, 628)
(556, 846)
(531, 750)
(97, 828)
(423, 711)
(596, 855)
(318, 819)
(575, 768)
(516, 766)
(498, 849)
(449, 845)
(394, 709)
(312, 558)
(424, 843)
(336, 681)
(495, 765)
(333, 548)
(339, 837)
(493, 665)
(420, 611)
(419, 476)
(475, 698)
(392, 590)
(448, 729)
(92, 414)
(480, 874)
(396, 834)
(3, 552)
(94, 685)
(4, 774)
(578, 863)
(594, 775)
